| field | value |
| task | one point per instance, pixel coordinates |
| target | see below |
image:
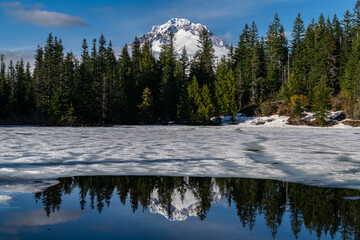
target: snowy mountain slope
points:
(186, 34)
(183, 205)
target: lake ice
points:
(315, 156)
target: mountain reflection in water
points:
(324, 211)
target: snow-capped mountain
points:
(186, 34)
(183, 205)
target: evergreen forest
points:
(316, 69)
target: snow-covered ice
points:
(314, 156)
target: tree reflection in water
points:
(320, 210)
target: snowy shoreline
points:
(281, 121)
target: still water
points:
(143, 207)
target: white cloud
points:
(42, 18)
(16, 55)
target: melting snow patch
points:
(243, 121)
(5, 198)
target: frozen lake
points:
(179, 182)
(313, 156)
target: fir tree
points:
(84, 93)
(206, 109)
(148, 71)
(276, 54)
(296, 80)
(242, 60)
(127, 96)
(30, 90)
(20, 89)
(202, 66)
(4, 87)
(225, 89)
(169, 92)
(298, 33)
(62, 104)
(194, 99)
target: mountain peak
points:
(186, 34)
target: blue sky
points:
(26, 23)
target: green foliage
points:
(297, 108)
(225, 89)
(322, 101)
(206, 109)
(200, 106)
(146, 108)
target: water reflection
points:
(324, 211)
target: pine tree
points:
(30, 91)
(148, 71)
(194, 99)
(258, 73)
(225, 89)
(242, 59)
(350, 82)
(83, 97)
(4, 88)
(102, 80)
(297, 34)
(96, 79)
(169, 92)
(206, 109)
(62, 103)
(346, 43)
(20, 89)
(184, 59)
(135, 62)
(39, 80)
(296, 81)
(357, 18)
(112, 87)
(276, 54)
(11, 79)
(202, 66)
(200, 106)
(127, 96)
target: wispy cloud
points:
(34, 15)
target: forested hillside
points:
(317, 69)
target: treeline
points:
(318, 70)
(324, 212)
